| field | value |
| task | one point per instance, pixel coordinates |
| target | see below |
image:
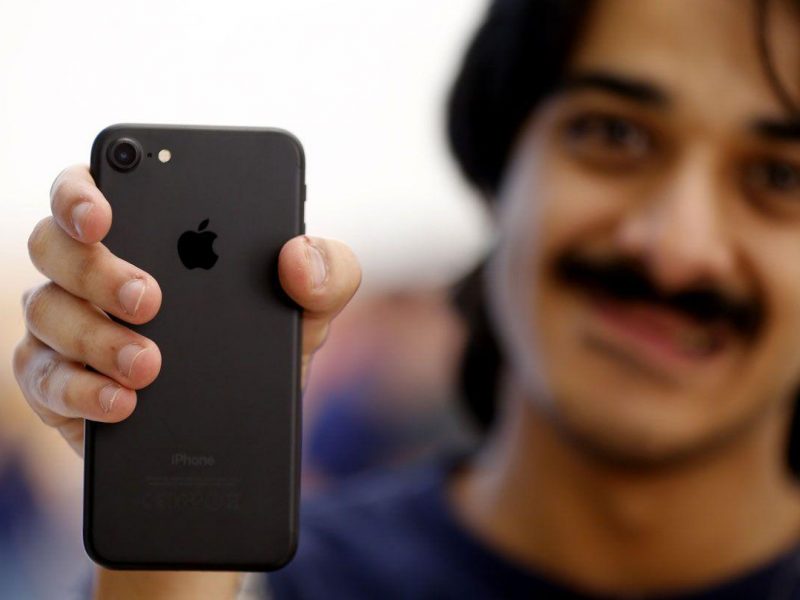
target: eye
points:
(773, 182)
(607, 140)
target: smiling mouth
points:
(655, 337)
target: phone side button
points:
(304, 227)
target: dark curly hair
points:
(516, 59)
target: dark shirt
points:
(393, 536)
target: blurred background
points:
(362, 84)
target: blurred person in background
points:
(382, 395)
(634, 344)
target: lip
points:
(647, 335)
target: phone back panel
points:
(205, 472)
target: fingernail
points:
(319, 266)
(127, 356)
(79, 212)
(130, 295)
(107, 396)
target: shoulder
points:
(365, 536)
(385, 496)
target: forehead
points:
(702, 53)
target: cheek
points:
(580, 209)
(775, 358)
(546, 208)
(574, 210)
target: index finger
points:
(78, 206)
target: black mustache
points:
(628, 280)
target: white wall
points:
(361, 82)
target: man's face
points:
(647, 280)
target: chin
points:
(629, 440)
(645, 429)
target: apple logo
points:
(194, 248)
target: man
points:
(642, 160)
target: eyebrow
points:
(647, 93)
(624, 86)
(779, 130)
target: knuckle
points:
(43, 379)
(37, 241)
(49, 418)
(36, 305)
(34, 372)
(20, 360)
(85, 270)
(25, 295)
(82, 341)
(72, 392)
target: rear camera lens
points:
(124, 154)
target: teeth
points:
(695, 341)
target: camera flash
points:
(164, 155)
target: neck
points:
(544, 502)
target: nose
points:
(679, 230)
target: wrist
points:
(163, 585)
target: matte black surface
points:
(230, 339)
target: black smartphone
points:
(204, 475)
